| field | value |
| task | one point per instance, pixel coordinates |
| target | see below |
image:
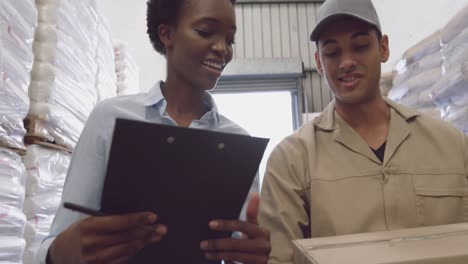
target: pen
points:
(82, 209)
(94, 212)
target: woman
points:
(196, 37)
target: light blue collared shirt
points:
(87, 169)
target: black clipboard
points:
(186, 176)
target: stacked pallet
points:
(17, 25)
(126, 70)
(63, 86)
(450, 92)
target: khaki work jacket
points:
(324, 180)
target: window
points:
(263, 114)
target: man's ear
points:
(384, 49)
(319, 63)
(165, 33)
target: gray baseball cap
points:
(332, 9)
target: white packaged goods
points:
(22, 16)
(457, 24)
(46, 173)
(11, 250)
(452, 89)
(403, 71)
(63, 86)
(11, 193)
(45, 204)
(12, 219)
(415, 84)
(126, 70)
(106, 82)
(415, 74)
(433, 75)
(17, 23)
(36, 230)
(12, 179)
(455, 52)
(47, 170)
(451, 94)
(426, 46)
(415, 92)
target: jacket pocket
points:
(439, 198)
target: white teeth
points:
(348, 79)
(214, 65)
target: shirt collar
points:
(326, 120)
(155, 97)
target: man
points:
(366, 163)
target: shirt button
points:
(386, 174)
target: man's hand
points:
(253, 248)
(106, 239)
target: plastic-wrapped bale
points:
(46, 173)
(455, 52)
(37, 229)
(423, 48)
(403, 72)
(451, 91)
(17, 23)
(126, 70)
(40, 211)
(42, 204)
(416, 92)
(420, 83)
(423, 103)
(11, 250)
(12, 179)
(457, 24)
(415, 74)
(12, 219)
(106, 77)
(63, 86)
(46, 170)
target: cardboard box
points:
(446, 244)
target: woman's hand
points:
(106, 239)
(254, 246)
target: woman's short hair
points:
(162, 12)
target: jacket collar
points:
(326, 120)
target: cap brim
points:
(314, 36)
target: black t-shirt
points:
(380, 151)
